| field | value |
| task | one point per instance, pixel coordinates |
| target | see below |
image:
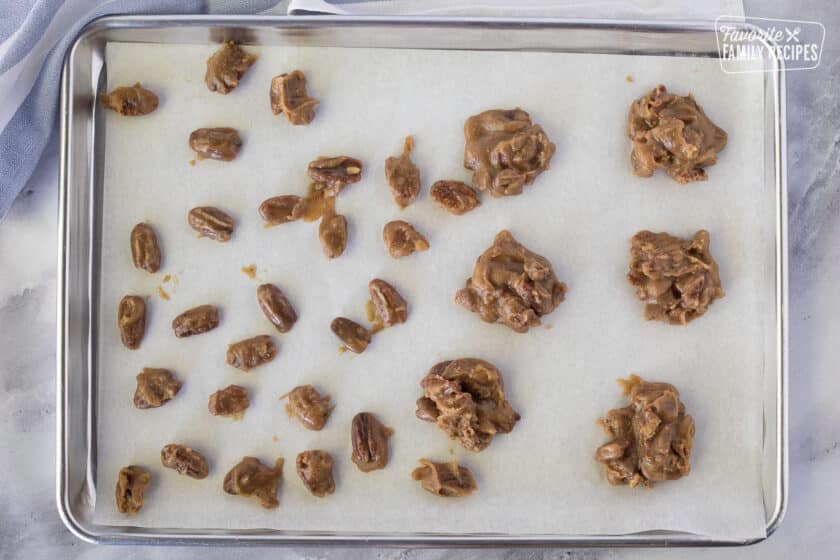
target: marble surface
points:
(30, 527)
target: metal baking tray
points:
(81, 175)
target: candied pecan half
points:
(226, 67)
(454, 196)
(130, 101)
(401, 239)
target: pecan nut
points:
(276, 307)
(155, 387)
(230, 401)
(454, 196)
(131, 319)
(131, 484)
(447, 480)
(288, 95)
(389, 304)
(354, 336)
(282, 209)
(130, 101)
(145, 251)
(251, 478)
(401, 239)
(185, 460)
(226, 67)
(251, 352)
(370, 442)
(314, 467)
(332, 231)
(335, 171)
(310, 407)
(403, 176)
(221, 143)
(211, 222)
(196, 321)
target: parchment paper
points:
(539, 479)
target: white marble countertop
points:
(29, 524)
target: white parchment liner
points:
(541, 478)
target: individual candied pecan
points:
(354, 336)
(389, 304)
(155, 387)
(505, 151)
(403, 176)
(251, 352)
(226, 67)
(211, 222)
(251, 478)
(454, 196)
(369, 439)
(314, 467)
(672, 132)
(145, 251)
(220, 143)
(131, 101)
(511, 285)
(131, 484)
(448, 480)
(310, 407)
(131, 319)
(276, 307)
(230, 401)
(401, 239)
(282, 209)
(332, 231)
(335, 171)
(185, 460)
(196, 321)
(288, 95)
(651, 439)
(678, 279)
(466, 399)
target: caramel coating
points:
(401, 239)
(230, 401)
(651, 439)
(155, 387)
(314, 467)
(354, 336)
(447, 480)
(131, 484)
(145, 250)
(466, 399)
(332, 232)
(220, 143)
(282, 209)
(454, 196)
(390, 306)
(403, 176)
(369, 438)
(678, 279)
(672, 132)
(211, 222)
(251, 352)
(130, 101)
(288, 96)
(196, 320)
(226, 67)
(310, 407)
(184, 460)
(276, 307)
(511, 285)
(251, 478)
(131, 320)
(505, 151)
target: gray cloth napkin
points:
(34, 36)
